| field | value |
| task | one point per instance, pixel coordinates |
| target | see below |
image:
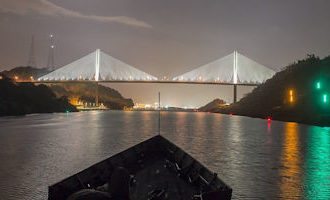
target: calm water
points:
(259, 160)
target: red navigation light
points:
(269, 118)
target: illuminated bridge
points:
(234, 69)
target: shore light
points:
(291, 96)
(318, 85)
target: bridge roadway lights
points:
(153, 81)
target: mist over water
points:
(258, 159)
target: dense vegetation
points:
(25, 98)
(86, 92)
(25, 73)
(216, 103)
(309, 83)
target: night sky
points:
(166, 37)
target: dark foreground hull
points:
(161, 170)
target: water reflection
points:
(317, 177)
(269, 126)
(251, 155)
(291, 164)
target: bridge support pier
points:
(97, 94)
(235, 93)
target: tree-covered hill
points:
(87, 91)
(25, 98)
(216, 103)
(25, 73)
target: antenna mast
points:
(32, 58)
(50, 63)
(158, 113)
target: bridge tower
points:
(235, 77)
(32, 59)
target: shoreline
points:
(275, 119)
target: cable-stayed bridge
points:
(234, 69)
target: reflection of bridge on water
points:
(234, 69)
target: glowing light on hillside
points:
(16, 77)
(31, 77)
(291, 99)
(1, 77)
(325, 98)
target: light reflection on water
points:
(291, 166)
(258, 159)
(317, 180)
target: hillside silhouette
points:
(216, 103)
(86, 92)
(26, 98)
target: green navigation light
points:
(325, 98)
(318, 85)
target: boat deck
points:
(164, 182)
(159, 170)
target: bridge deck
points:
(133, 81)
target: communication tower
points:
(50, 63)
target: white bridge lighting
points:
(232, 69)
(98, 66)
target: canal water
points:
(258, 159)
